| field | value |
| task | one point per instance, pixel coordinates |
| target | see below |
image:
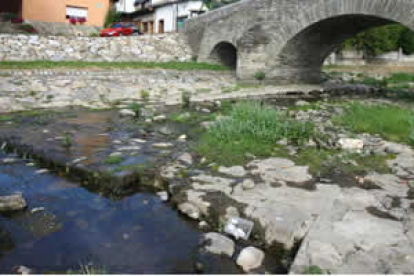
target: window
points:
(76, 12)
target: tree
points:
(407, 41)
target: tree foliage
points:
(381, 40)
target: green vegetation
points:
(114, 160)
(136, 107)
(186, 99)
(313, 269)
(215, 4)
(180, 117)
(67, 140)
(112, 16)
(260, 75)
(391, 122)
(173, 65)
(250, 128)
(381, 40)
(135, 168)
(145, 94)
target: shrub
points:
(407, 41)
(137, 108)
(260, 75)
(28, 28)
(186, 99)
(111, 17)
(145, 94)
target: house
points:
(125, 6)
(87, 12)
(160, 16)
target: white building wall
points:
(166, 13)
(170, 12)
(126, 6)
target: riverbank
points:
(311, 187)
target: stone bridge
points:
(288, 40)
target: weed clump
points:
(251, 128)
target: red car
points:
(120, 29)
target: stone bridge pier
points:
(288, 40)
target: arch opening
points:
(224, 53)
(302, 56)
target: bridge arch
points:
(289, 39)
(224, 53)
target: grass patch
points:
(400, 78)
(175, 65)
(250, 128)
(391, 122)
(114, 160)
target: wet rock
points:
(9, 160)
(182, 138)
(41, 171)
(163, 196)
(127, 113)
(206, 125)
(302, 103)
(216, 243)
(275, 169)
(163, 145)
(186, 158)
(165, 130)
(116, 154)
(351, 144)
(23, 270)
(129, 148)
(236, 171)
(203, 225)
(160, 118)
(250, 258)
(14, 202)
(190, 210)
(139, 141)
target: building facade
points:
(87, 12)
(163, 16)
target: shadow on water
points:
(135, 234)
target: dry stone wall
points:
(156, 48)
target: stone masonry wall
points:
(31, 89)
(157, 48)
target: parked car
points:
(120, 29)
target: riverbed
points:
(67, 227)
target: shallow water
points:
(135, 234)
